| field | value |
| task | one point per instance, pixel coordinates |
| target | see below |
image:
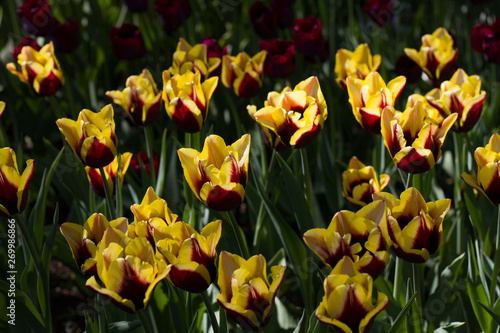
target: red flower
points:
(485, 39)
(282, 11)
(66, 36)
(36, 17)
(408, 68)
(127, 42)
(262, 20)
(381, 11)
(144, 158)
(280, 59)
(137, 6)
(309, 40)
(173, 13)
(25, 41)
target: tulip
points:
(189, 58)
(127, 42)
(292, 118)
(186, 99)
(356, 235)
(262, 20)
(437, 55)
(370, 96)
(25, 41)
(92, 136)
(461, 95)
(137, 6)
(36, 17)
(347, 304)
(357, 64)
(413, 140)
(110, 172)
(308, 39)
(246, 295)
(140, 98)
(407, 68)
(66, 36)
(190, 255)
(127, 270)
(40, 70)
(414, 226)
(488, 170)
(280, 59)
(2, 108)
(143, 158)
(213, 48)
(359, 182)
(13, 185)
(432, 114)
(83, 240)
(173, 13)
(218, 174)
(381, 11)
(243, 74)
(283, 12)
(485, 39)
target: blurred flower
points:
(140, 98)
(127, 42)
(38, 69)
(36, 17)
(370, 96)
(127, 270)
(2, 108)
(25, 41)
(413, 140)
(92, 136)
(347, 304)
(485, 39)
(213, 48)
(218, 175)
(246, 295)
(262, 20)
(190, 255)
(144, 158)
(13, 185)
(136, 6)
(243, 74)
(189, 58)
(83, 240)
(110, 171)
(173, 13)
(357, 64)
(309, 40)
(280, 59)
(186, 99)
(437, 55)
(356, 235)
(408, 68)
(461, 95)
(292, 118)
(283, 12)
(488, 170)
(66, 36)
(381, 11)
(414, 226)
(359, 182)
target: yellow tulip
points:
(110, 172)
(243, 73)
(355, 64)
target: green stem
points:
(234, 112)
(398, 276)
(457, 191)
(101, 316)
(39, 269)
(237, 231)
(211, 314)
(148, 134)
(496, 264)
(144, 321)
(109, 200)
(417, 290)
(382, 156)
(307, 175)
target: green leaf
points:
(192, 328)
(124, 326)
(29, 314)
(300, 323)
(492, 312)
(160, 181)
(90, 326)
(400, 319)
(477, 293)
(451, 327)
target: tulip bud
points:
(357, 64)
(173, 13)
(110, 172)
(189, 58)
(66, 36)
(485, 39)
(127, 42)
(243, 74)
(280, 59)
(36, 17)
(308, 39)
(262, 20)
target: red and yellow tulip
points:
(243, 73)
(292, 118)
(140, 98)
(359, 182)
(92, 136)
(246, 294)
(13, 184)
(462, 95)
(356, 235)
(127, 270)
(111, 171)
(414, 140)
(189, 58)
(83, 240)
(190, 255)
(2, 108)
(414, 226)
(370, 96)
(40, 70)
(218, 174)
(355, 64)
(488, 170)
(186, 99)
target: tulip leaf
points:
(223, 321)
(90, 326)
(26, 313)
(492, 312)
(400, 319)
(300, 323)
(193, 327)
(124, 326)
(160, 181)
(451, 327)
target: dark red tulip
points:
(36, 17)
(127, 42)
(137, 6)
(280, 59)
(408, 68)
(25, 41)
(262, 20)
(485, 39)
(173, 13)
(144, 158)
(309, 39)
(66, 36)
(381, 11)
(282, 11)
